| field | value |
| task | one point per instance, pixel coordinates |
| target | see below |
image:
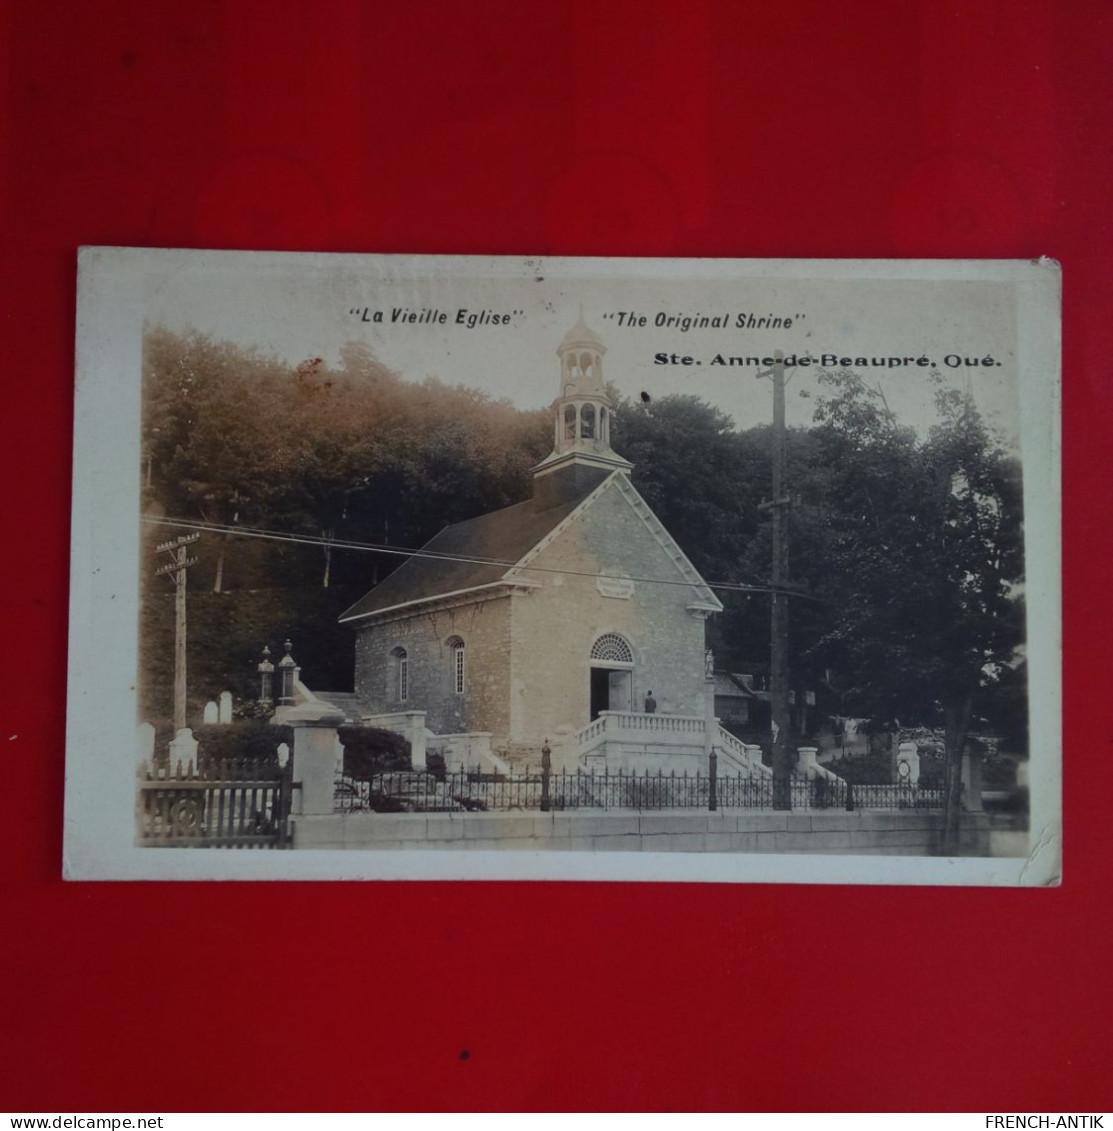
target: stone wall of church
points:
(529, 656)
(555, 626)
(483, 626)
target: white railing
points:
(732, 753)
(655, 723)
(586, 734)
(683, 733)
(739, 757)
(631, 726)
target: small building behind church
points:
(554, 620)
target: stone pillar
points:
(710, 722)
(807, 765)
(480, 741)
(972, 781)
(211, 714)
(183, 749)
(908, 755)
(415, 732)
(753, 756)
(225, 716)
(315, 756)
(563, 757)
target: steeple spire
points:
(582, 412)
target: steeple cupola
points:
(582, 412)
(581, 361)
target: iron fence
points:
(901, 795)
(469, 792)
(410, 791)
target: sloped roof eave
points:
(477, 552)
(503, 583)
(707, 601)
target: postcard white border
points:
(104, 587)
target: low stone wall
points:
(465, 751)
(828, 832)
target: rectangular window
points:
(403, 679)
(458, 669)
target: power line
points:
(371, 547)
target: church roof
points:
(505, 535)
(733, 685)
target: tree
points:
(922, 561)
(233, 436)
(697, 474)
(211, 429)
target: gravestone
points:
(211, 714)
(908, 754)
(183, 750)
(225, 716)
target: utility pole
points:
(778, 682)
(177, 566)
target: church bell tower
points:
(582, 412)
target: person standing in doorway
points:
(650, 703)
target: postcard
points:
(408, 567)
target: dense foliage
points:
(923, 562)
(250, 741)
(371, 750)
(353, 453)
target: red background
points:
(708, 128)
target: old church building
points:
(540, 620)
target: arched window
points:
(612, 648)
(456, 645)
(570, 422)
(602, 423)
(587, 422)
(401, 674)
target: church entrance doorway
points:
(611, 690)
(612, 674)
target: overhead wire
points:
(371, 547)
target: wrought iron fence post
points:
(713, 771)
(849, 796)
(546, 771)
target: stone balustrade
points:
(747, 757)
(660, 741)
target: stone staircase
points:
(346, 701)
